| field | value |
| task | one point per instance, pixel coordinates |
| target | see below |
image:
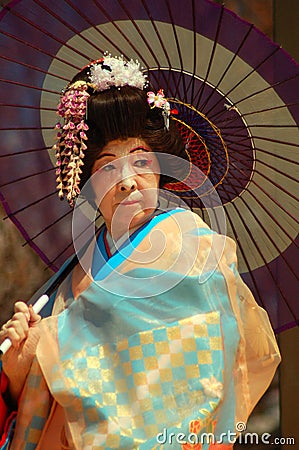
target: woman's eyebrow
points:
(145, 149)
(105, 154)
(135, 149)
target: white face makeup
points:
(125, 178)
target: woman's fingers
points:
(16, 329)
(34, 317)
(22, 307)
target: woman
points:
(151, 341)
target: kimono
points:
(165, 349)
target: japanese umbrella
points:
(235, 88)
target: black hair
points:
(124, 112)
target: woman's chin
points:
(131, 217)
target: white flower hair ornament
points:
(71, 137)
(114, 71)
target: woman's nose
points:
(127, 185)
(127, 182)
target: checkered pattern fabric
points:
(35, 411)
(125, 393)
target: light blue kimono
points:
(144, 357)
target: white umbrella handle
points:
(37, 307)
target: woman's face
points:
(125, 178)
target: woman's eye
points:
(107, 167)
(142, 163)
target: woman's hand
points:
(24, 334)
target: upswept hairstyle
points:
(121, 113)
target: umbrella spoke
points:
(17, 128)
(178, 47)
(19, 226)
(157, 33)
(39, 108)
(36, 202)
(40, 50)
(46, 32)
(249, 96)
(199, 94)
(263, 138)
(30, 86)
(264, 207)
(51, 225)
(227, 68)
(253, 71)
(247, 263)
(272, 108)
(69, 246)
(266, 264)
(27, 176)
(24, 152)
(271, 181)
(31, 67)
(69, 25)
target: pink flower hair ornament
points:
(159, 101)
(71, 136)
(71, 139)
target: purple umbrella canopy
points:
(232, 85)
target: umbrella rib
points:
(31, 239)
(259, 125)
(277, 156)
(268, 165)
(38, 88)
(290, 177)
(30, 66)
(271, 182)
(177, 47)
(25, 128)
(254, 70)
(24, 152)
(34, 47)
(79, 235)
(19, 226)
(257, 289)
(110, 20)
(67, 24)
(266, 264)
(47, 33)
(227, 68)
(243, 254)
(40, 108)
(263, 138)
(248, 97)
(27, 176)
(167, 79)
(199, 94)
(191, 82)
(139, 32)
(247, 137)
(273, 108)
(194, 49)
(30, 204)
(266, 209)
(156, 31)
